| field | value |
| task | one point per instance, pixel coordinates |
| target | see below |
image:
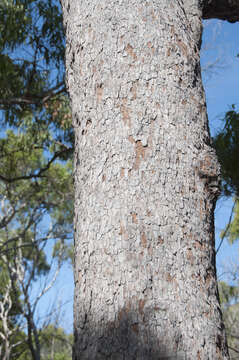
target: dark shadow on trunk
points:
(126, 339)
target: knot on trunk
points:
(209, 171)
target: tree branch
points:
(227, 227)
(233, 349)
(39, 173)
(30, 99)
(221, 9)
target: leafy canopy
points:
(36, 146)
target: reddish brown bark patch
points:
(123, 232)
(141, 306)
(125, 112)
(190, 256)
(131, 139)
(129, 50)
(143, 240)
(134, 218)
(140, 153)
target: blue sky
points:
(220, 46)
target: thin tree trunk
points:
(146, 182)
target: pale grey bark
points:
(146, 182)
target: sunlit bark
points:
(146, 182)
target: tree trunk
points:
(146, 182)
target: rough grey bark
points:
(146, 182)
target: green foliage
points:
(36, 150)
(31, 55)
(21, 351)
(36, 146)
(232, 231)
(229, 296)
(15, 23)
(226, 143)
(55, 345)
(55, 341)
(33, 186)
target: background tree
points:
(36, 191)
(226, 143)
(229, 296)
(57, 344)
